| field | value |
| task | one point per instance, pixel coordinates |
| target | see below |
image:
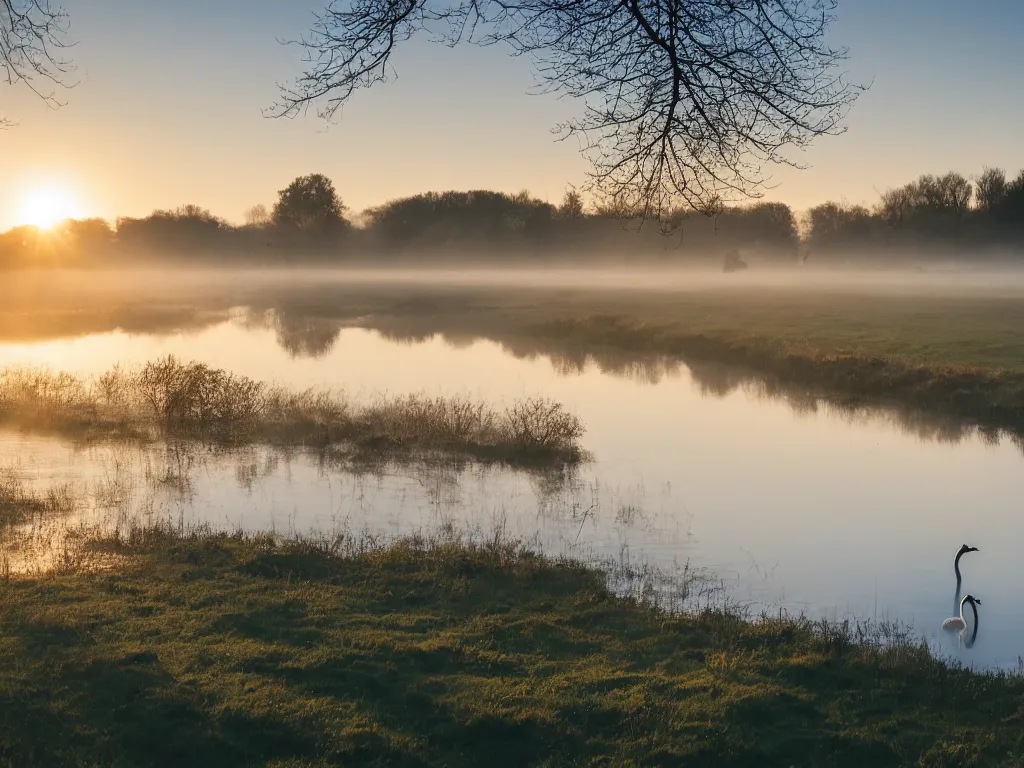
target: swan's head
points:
(964, 549)
(972, 599)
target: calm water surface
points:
(810, 510)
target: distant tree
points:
(897, 204)
(929, 200)
(572, 205)
(683, 101)
(608, 207)
(187, 230)
(32, 41)
(991, 189)
(477, 215)
(951, 193)
(257, 216)
(189, 211)
(87, 234)
(1011, 207)
(831, 225)
(768, 226)
(309, 203)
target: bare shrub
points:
(185, 395)
(538, 422)
(433, 421)
(168, 398)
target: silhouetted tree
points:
(930, 201)
(685, 101)
(609, 207)
(837, 225)
(1011, 208)
(949, 193)
(831, 219)
(87, 236)
(309, 203)
(257, 216)
(991, 189)
(479, 215)
(897, 204)
(767, 226)
(32, 41)
(185, 231)
(572, 205)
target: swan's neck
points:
(962, 609)
(974, 634)
(956, 566)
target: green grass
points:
(944, 331)
(217, 650)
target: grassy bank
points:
(170, 398)
(955, 357)
(216, 650)
(989, 398)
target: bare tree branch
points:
(684, 102)
(32, 45)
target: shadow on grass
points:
(132, 711)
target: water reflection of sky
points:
(814, 511)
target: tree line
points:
(939, 213)
(310, 223)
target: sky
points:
(168, 110)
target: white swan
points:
(958, 623)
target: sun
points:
(47, 206)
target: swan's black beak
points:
(973, 549)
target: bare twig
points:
(32, 48)
(685, 103)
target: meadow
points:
(192, 647)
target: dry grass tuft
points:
(171, 398)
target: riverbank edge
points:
(985, 398)
(166, 645)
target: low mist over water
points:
(965, 277)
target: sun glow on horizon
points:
(47, 206)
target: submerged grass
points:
(19, 504)
(207, 649)
(171, 398)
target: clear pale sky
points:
(168, 111)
